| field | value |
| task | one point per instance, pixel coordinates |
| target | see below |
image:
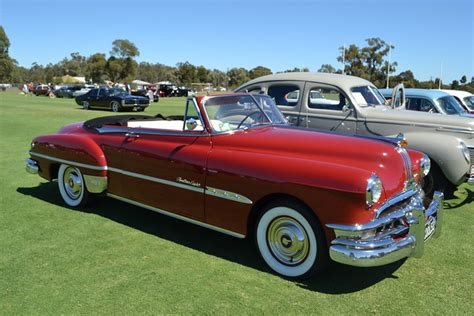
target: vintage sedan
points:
(358, 108)
(232, 164)
(114, 99)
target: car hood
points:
(352, 157)
(436, 121)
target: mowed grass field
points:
(112, 257)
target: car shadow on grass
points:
(457, 201)
(337, 279)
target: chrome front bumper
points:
(31, 166)
(387, 239)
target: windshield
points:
(367, 95)
(469, 102)
(229, 113)
(450, 105)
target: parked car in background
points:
(166, 89)
(83, 90)
(5, 86)
(114, 99)
(231, 163)
(41, 89)
(145, 93)
(429, 100)
(183, 92)
(66, 91)
(447, 139)
(465, 98)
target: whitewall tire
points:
(72, 186)
(290, 240)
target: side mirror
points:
(346, 109)
(191, 124)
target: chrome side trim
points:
(208, 190)
(158, 180)
(455, 130)
(95, 184)
(228, 195)
(183, 218)
(69, 162)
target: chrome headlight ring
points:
(373, 191)
(425, 165)
(465, 151)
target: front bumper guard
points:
(31, 166)
(401, 234)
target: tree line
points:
(370, 62)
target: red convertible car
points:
(232, 164)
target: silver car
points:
(353, 105)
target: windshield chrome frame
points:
(214, 132)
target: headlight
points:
(465, 151)
(373, 191)
(425, 165)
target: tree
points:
(237, 76)
(123, 48)
(185, 73)
(114, 68)
(296, 69)
(259, 71)
(368, 62)
(218, 78)
(327, 68)
(455, 85)
(463, 79)
(202, 74)
(405, 77)
(95, 67)
(7, 64)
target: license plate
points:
(430, 226)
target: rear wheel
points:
(290, 239)
(115, 106)
(72, 186)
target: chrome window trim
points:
(72, 163)
(177, 216)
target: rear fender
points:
(76, 150)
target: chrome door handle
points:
(132, 135)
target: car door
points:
(164, 166)
(327, 107)
(94, 97)
(102, 99)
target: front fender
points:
(444, 150)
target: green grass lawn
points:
(116, 258)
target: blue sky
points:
(225, 34)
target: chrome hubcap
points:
(288, 241)
(114, 107)
(72, 183)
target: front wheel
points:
(114, 105)
(290, 240)
(72, 186)
(85, 105)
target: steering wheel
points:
(246, 117)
